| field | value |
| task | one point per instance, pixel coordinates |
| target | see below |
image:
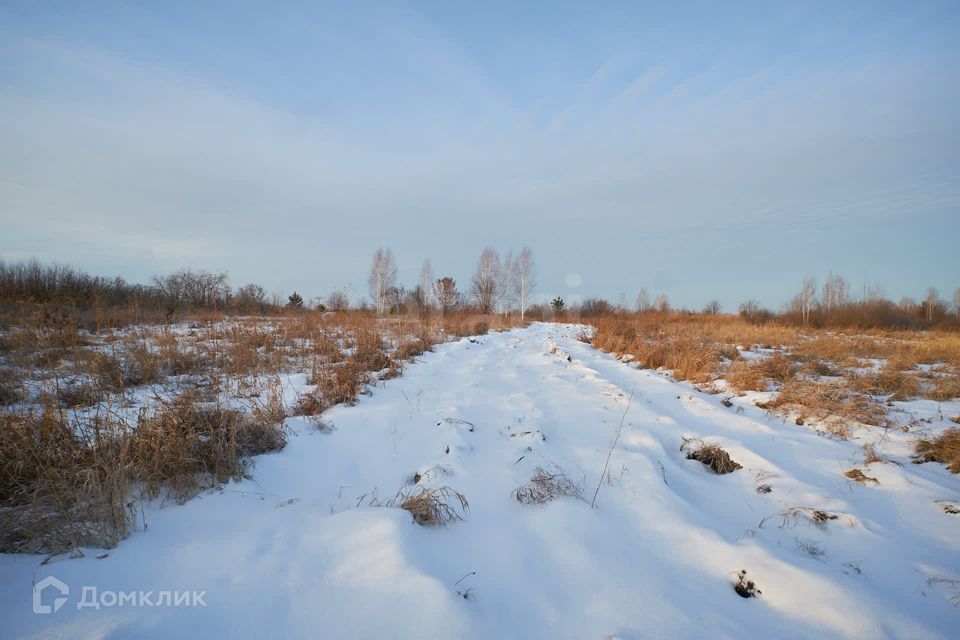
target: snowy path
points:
(289, 554)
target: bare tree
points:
(483, 287)
(525, 278)
(250, 297)
(338, 301)
(426, 286)
(712, 307)
(194, 288)
(749, 308)
(808, 293)
(932, 303)
(956, 303)
(836, 293)
(643, 301)
(662, 303)
(506, 284)
(445, 291)
(383, 275)
(395, 299)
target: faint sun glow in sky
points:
(705, 150)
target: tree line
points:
(501, 284)
(498, 285)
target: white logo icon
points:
(38, 589)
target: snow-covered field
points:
(299, 550)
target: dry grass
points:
(70, 482)
(790, 517)
(545, 487)
(62, 484)
(944, 448)
(755, 375)
(833, 404)
(431, 507)
(703, 348)
(889, 381)
(186, 446)
(76, 455)
(712, 456)
(857, 475)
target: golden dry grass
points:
(832, 403)
(824, 375)
(712, 456)
(944, 448)
(67, 481)
(431, 507)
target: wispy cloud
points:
(632, 162)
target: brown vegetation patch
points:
(832, 403)
(711, 455)
(58, 489)
(857, 475)
(944, 448)
(431, 507)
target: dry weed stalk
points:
(613, 444)
(545, 487)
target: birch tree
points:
(383, 275)
(807, 294)
(426, 284)
(931, 303)
(643, 301)
(662, 303)
(525, 278)
(505, 284)
(836, 293)
(483, 287)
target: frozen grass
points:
(93, 422)
(545, 487)
(944, 448)
(431, 507)
(715, 458)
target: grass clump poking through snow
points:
(833, 404)
(790, 517)
(744, 587)
(711, 455)
(858, 475)
(431, 507)
(545, 487)
(945, 449)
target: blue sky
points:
(705, 150)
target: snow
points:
(297, 550)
